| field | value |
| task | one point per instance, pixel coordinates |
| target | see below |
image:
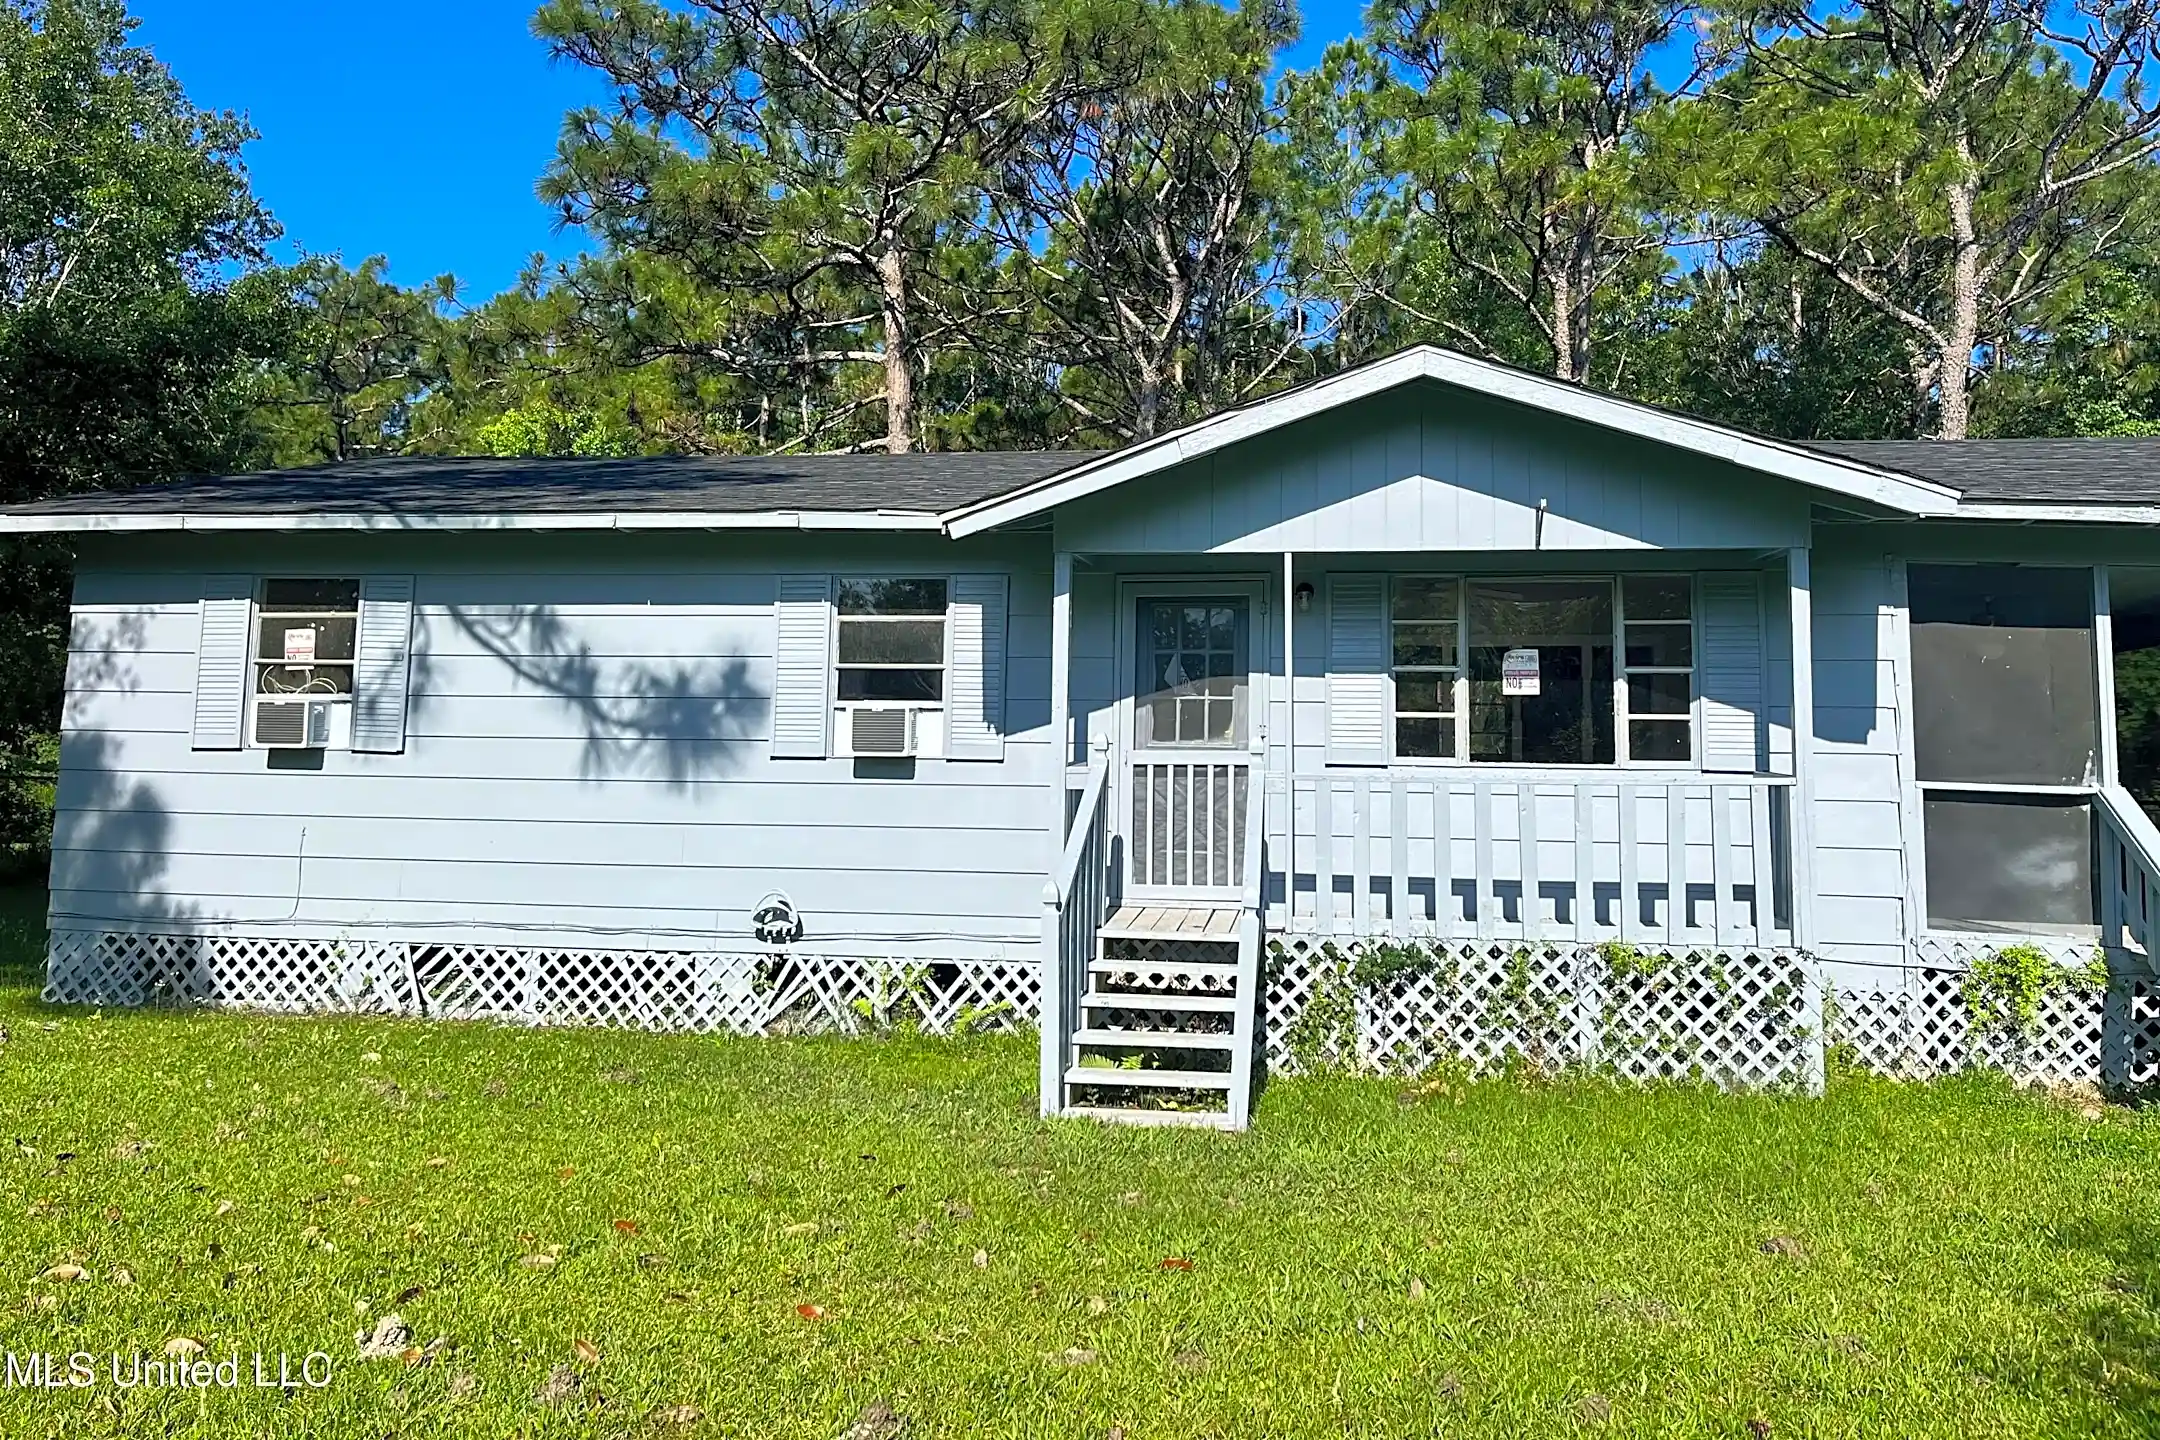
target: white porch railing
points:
(1075, 901)
(1695, 861)
(2129, 874)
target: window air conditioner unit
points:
(887, 730)
(292, 724)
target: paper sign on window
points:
(1519, 672)
(300, 645)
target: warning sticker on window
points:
(1518, 672)
(300, 645)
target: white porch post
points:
(1050, 1020)
(1800, 584)
(1289, 664)
(2104, 674)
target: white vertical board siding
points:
(382, 672)
(1859, 861)
(802, 668)
(587, 760)
(1430, 468)
(223, 619)
(1729, 672)
(1360, 690)
(975, 708)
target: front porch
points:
(1265, 895)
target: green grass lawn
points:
(639, 1235)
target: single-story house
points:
(1430, 708)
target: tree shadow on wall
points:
(674, 720)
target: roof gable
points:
(1831, 474)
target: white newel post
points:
(1050, 1017)
(1802, 610)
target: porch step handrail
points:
(1245, 1027)
(1075, 903)
(2129, 874)
(1413, 867)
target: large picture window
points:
(891, 641)
(1543, 671)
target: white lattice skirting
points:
(1746, 1019)
(747, 993)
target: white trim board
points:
(117, 522)
(1849, 478)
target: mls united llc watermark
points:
(121, 1370)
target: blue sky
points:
(415, 130)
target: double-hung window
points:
(304, 635)
(891, 642)
(1658, 654)
(1425, 645)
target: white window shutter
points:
(1729, 671)
(975, 672)
(1360, 692)
(221, 661)
(802, 667)
(382, 669)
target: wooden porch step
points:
(1172, 922)
(1159, 1000)
(1118, 1115)
(1193, 969)
(1158, 1039)
(1164, 1079)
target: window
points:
(1425, 645)
(1194, 673)
(892, 641)
(1657, 650)
(2005, 697)
(304, 638)
(1523, 671)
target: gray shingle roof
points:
(2078, 472)
(425, 485)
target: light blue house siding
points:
(587, 758)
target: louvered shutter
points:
(382, 670)
(221, 661)
(802, 667)
(975, 673)
(1360, 692)
(1729, 671)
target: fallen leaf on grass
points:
(1593, 1409)
(464, 1385)
(437, 1162)
(1097, 1305)
(807, 1227)
(1192, 1362)
(226, 1207)
(586, 1352)
(122, 1276)
(1759, 1428)
(959, 1210)
(409, 1294)
(1783, 1245)
(1417, 1288)
(566, 1172)
(627, 1227)
(1175, 1262)
(1077, 1356)
(982, 1259)
(538, 1261)
(810, 1312)
(128, 1149)
(65, 1272)
(680, 1417)
(182, 1346)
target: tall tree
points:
(807, 158)
(1139, 215)
(366, 352)
(1478, 166)
(136, 307)
(1949, 162)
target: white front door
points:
(1194, 725)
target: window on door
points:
(1195, 674)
